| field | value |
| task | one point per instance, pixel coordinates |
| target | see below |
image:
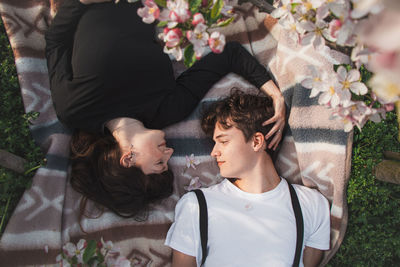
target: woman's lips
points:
(220, 163)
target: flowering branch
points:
(345, 26)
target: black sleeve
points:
(59, 42)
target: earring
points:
(132, 154)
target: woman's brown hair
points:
(98, 175)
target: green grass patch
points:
(15, 136)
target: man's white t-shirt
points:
(246, 229)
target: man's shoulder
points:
(309, 196)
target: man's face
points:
(233, 154)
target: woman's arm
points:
(60, 38)
(180, 259)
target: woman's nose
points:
(168, 151)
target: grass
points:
(373, 233)
(15, 136)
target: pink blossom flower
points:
(194, 184)
(172, 37)
(345, 36)
(334, 27)
(198, 37)
(72, 250)
(191, 161)
(150, 12)
(197, 18)
(216, 42)
(351, 81)
(179, 11)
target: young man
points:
(250, 216)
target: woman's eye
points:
(224, 142)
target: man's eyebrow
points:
(219, 136)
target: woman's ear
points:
(259, 143)
(127, 159)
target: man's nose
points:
(215, 152)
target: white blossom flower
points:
(334, 95)
(284, 9)
(315, 33)
(194, 184)
(362, 8)
(176, 52)
(316, 81)
(293, 26)
(351, 81)
(191, 161)
(72, 250)
(199, 38)
(118, 262)
(338, 7)
(385, 88)
(361, 56)
(216, 42)
(179, 10)
(63, 262)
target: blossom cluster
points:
(188, 26)
(370, 28)
(91, 253)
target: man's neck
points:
(262, 178)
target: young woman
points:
(112, 83)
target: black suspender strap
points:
(203, 220)
(299, 225)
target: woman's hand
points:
(273, 91)
(87, 2)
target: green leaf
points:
(89, 251)
(216, 10)
(226, 22)
(162, 23)
(161, 3)
(189, 56)
(194, 5)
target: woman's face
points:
(151, 152)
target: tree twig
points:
(262, 5)
(12, 162)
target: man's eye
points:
(160, 163)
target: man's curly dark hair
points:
(244, 111)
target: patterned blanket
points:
(316, 151)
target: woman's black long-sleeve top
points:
(105, 63)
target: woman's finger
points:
(275, 141)
(273, 130)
